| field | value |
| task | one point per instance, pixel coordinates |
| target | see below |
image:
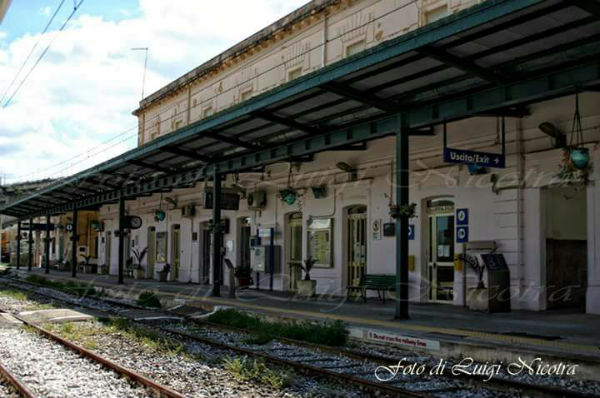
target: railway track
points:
(346, 366)
(110, 375)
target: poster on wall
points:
(320, 241)
(377, 229)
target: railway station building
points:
(375, 137)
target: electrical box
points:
(229, 200)
(260, 259)
(257, 200)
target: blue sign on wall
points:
(484, 159)
(462, 216)
(411, 232)
(462, 234)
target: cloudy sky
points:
(75, 108)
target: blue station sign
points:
(483, 159)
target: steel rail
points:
(21, 388)
(535, 390)
(150, 384)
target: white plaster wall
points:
(502, 211)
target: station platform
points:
(439, 329)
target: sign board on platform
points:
(462, 234)
(462, 216)
(483, 159)
(400, 340)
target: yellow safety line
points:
(371, 322)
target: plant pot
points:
(162, 276)
(88, 268)
(139, 273)
(306, 288)
(478, 299)
(580, 158)
(244, 281)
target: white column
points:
(593, 239)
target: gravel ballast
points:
(52, 371)
(339, 363)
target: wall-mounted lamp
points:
(353, 171)
(559, 138)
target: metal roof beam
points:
(147, 165)
(187, 153)
(517, 111)
(361, 146)
(230, 140)
(360, 96)
(591, 6)
(497, 27)
(286, 121)
(462, 64)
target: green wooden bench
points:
(380, 283)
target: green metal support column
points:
(74, 241)
(217, 235)
(47, 244)
(121, 235)
(19, 244)
(30, 263)
(402, 174)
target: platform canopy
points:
(493, 58)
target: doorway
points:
(205, 246)
(107, 251)
(151, 251)
(176, 251)
(294, 252)
(244, 245)
(440, 270)
(357, 244)
(566, 247)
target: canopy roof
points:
(489, 59)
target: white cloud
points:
(84, 90)
(45, 11)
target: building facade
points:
(339, 212)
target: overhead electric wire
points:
(31, 51)
(75, 8)
(237, 85)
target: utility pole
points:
(145, 49)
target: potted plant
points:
(162, 274)
(243, 275)
(407, 210)
(288, 195)
(477, 297)
(576, 167)
(307, 287)
(139, 271)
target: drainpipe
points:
(189, 105)
(74, 240)
(47, 244)
(121, 235)
(19, 244)
(325, 39)
(30, 263)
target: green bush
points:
(327, 333)
(76, 288)
(148, 299)
(243, 370)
